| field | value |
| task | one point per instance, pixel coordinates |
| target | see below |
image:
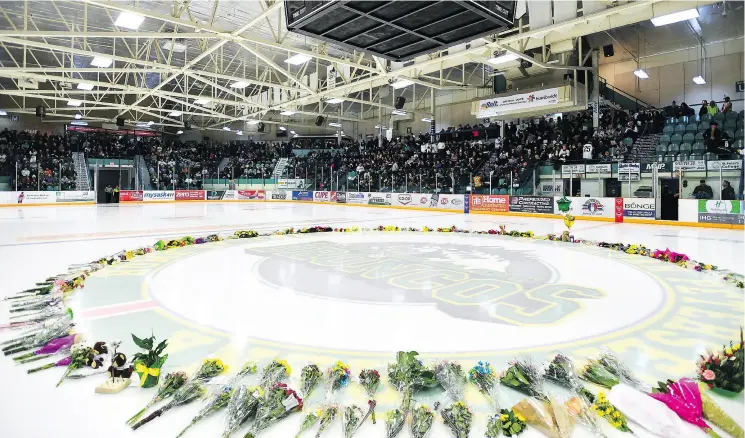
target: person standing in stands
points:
(704, 110)
(713, 138)
(108, 190)
(727, 105)
(712, 109)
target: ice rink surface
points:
(308, 298)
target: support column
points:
(596, 89)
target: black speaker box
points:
(319, 120)
(120, 121)
(608, 51)
(41, 111)
(400, 102)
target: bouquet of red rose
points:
(370, 380)
(724, 369)
(279, 402)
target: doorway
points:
(669, 194)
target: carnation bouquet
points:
(309, 421)
(370, 381)
(273, 373)
(482, 375)
(524, 377)
(724, 369)
(242, 404)
(458, 417)
(422, 419)
(337, 377)
(310, 377)
(279, 402)
(394, 422)
(216, 403)
(327, 416)
(505, 421)
(172, 383)
(191, 391)
(407, 375)
(450, 375)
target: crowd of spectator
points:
(35, 161)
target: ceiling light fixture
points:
(85, 86)
(239, 132)
(401, 83)
(282, 128)
(699, 80)
(501, 59)
(179, 132)
(688, 14)
(335, 125)
(298, 59)
(175, 113)
(74, 102)
(335, 100)
(202, 101)
(292, 132)
(426, 119)
(641, 74)
(399, 112)
(101, 62)
(129, 20)
(78, 116)
(254, 122)
(287, 113)
(226, 128)
(239, 84)
(79, 123)
(176, 47)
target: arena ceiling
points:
(215, 62)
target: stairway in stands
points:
(644, 148)
(279, 169)
(143, 173)
(82, 180)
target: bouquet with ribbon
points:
(394, 422)
(524, 377)
(55, 346)
(216, 403)
(684, 398)
(242, 404)
(309, 421)
(191, 391)
(274, 373)
(279, 402)
(310, 377)
(172, 383)
(148, 365)
(505, 421)
(422, 419)
(327, 416)
(407, 375)
(337, 377)
(458, 417)
(370, 381)
(724, 369)
(482, 375)
(596, 373)
(83, 356)
(450, 375)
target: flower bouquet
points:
(550, 417)
(148, 365)
(217, 403)
(191, 391)
(279, 402)
(273, 373)
(643, 410)
(725, 369)
(172, 383)
(55, 346)
(309, 421)
(353, 418)
(84, 356)
(524, 377)
(684, 398)
(327, 416)
(337, 377)
(249, 368)
(584, 414)
(247, 234)
(370, 381)
(407, 375)
(482, 375)
(422, 419)
(458, 417)
(507, 422)
(209, 369)
(394, 422)
(596, 373)
(310, 376)
(243, 403)
(47, 332)
(450, 375)
(611, 363)
(716, 415)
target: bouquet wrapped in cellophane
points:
(596, 373)
(275, 372)
(550, 417)
(684, 398)
(451, 376)
(458, 418)
(248, 369)
(505, 421)
(309, 421)
(172, 383)
(310, 377)
(524, 377)
(370, 381)
(422, 419)
(242, 404)
(37, 337)
(408, 375)
(337, 377)
(394, 422)
(483, 376)
(327, 416)
(216, 403)
(191, 391)
(354, 417)
(616, 367)
(278, 403)
(55, 346)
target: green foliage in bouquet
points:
(507, 422)
(148, 365)
(458, 417)
(724, 369)
(408, 374)
(524, 377)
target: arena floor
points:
(304, 298)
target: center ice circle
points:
(388, 291)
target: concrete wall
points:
(671, 76)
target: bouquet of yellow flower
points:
(275, 372)
(606, 410)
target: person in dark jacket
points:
(728, 192)
(704, 108)
(713, 138)
(703, 191)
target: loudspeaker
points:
(120, 121)
(400, 101)
(319, 120)
(260, 127)
(41, 111)
(187, 126)
(499, 84)
(608, 51)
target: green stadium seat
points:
(739, 144)
(673, 148)
(706, 118)
(692, 127)
(731, 133)
(719, 117)
(661, 149)
(741, 115)
(730, 115)
(740, 124)
(668, 129)
(683, 120)
(671, 121)
(700, 136)
(660, 158)
(709, 156)
(628, 141)
(676, 138)
(730, 125)
(685, 148)
(698, 147)
(696, 157)
(664, 139)
(689, 138)
(680, 129)
(703, 126)
(739, 134)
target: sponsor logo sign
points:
(514, 102)
(244, 195)
(380, 199)
(629, 167)
(215, 195)
(450, 202)
(628, 177)
(302, 195)
(75, 196)
(660, 166)
(532, 204)
(130, 196)
(689, 165)
(724, 165)
(33, 197)
(284, 183)
(159, 195)
(190, 195)
(593, 207)
(492, 203)
(596, 168)
(279, 195)
(720, 212)
(341, 197)
(552, 188)
(619, 209)
(638, 207)
(357, 198)
(404, 199)
(572, 169)
(324, 196)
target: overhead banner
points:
(190, 195)
(689, 165)
(515, 102)
(724, 165)
(131, 195)
(489, 203)
(532, 204)
(720, 212)
(159, 196)
(639, 207)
